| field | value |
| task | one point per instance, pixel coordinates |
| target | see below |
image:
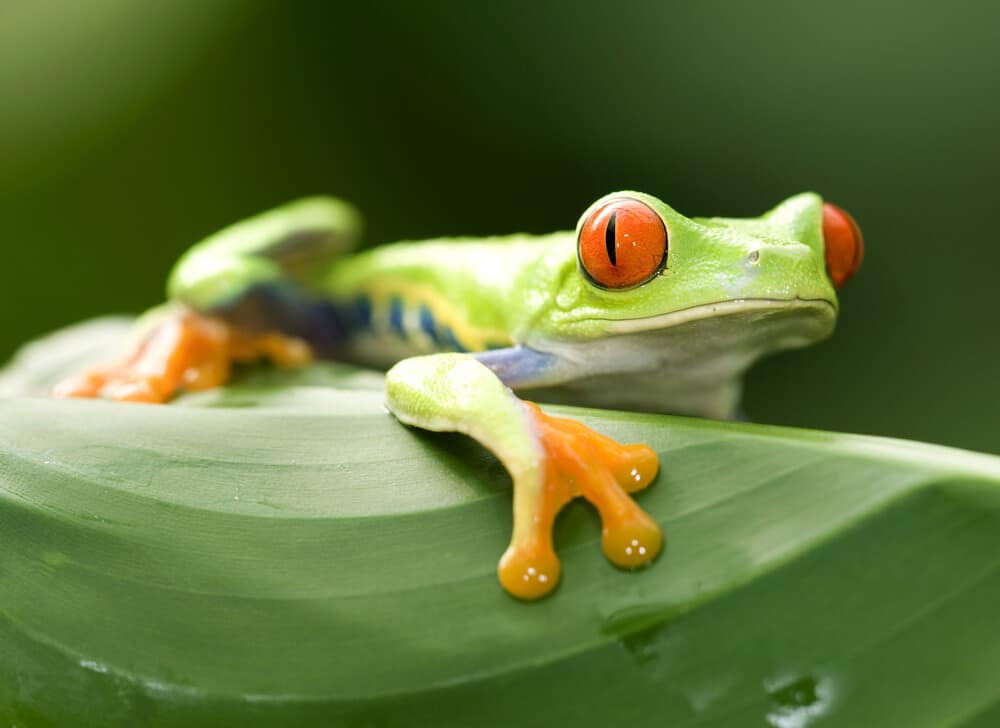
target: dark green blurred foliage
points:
(130, 130)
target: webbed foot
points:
(184, 351)
(579, 461)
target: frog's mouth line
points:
(814, 306)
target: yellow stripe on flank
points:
(413, 295)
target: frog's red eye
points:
(844, 245)
(622, 244)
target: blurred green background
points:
(129, 130)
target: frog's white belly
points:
(688, 362)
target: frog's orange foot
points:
(579, 461)
(185, 351)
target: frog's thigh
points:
(551, 461)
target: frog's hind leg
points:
(551, 460)
(240, 295)
(265, 274)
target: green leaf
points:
(284, 551)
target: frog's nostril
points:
(754, 256)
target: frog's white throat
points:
(688, 362)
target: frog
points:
(639, 308)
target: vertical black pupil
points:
(609, 239)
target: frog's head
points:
(696, 300)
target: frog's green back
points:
(459, 294)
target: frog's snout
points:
(784, 271)
(766, 256)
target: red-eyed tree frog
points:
(640, 308)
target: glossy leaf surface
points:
(285, 552)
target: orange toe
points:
(635, 467)
(88, 384)
(632, 542)
(528, 573)
(141, 390)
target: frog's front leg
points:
(551, 460)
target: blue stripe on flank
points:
(396, 316)
(449, 340)
(280, 306)
(362, 312)
(427, 323)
